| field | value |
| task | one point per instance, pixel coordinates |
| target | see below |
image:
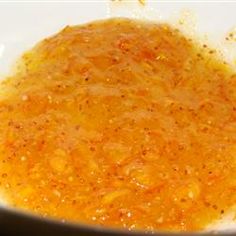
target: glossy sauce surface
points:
(120, 123)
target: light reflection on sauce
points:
(120, 123)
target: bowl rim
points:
(13, 220)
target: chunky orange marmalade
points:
(120, 123)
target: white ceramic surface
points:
(22, 24)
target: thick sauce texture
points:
(120, 123)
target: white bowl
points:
(24, 24)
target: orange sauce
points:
(120, 123)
